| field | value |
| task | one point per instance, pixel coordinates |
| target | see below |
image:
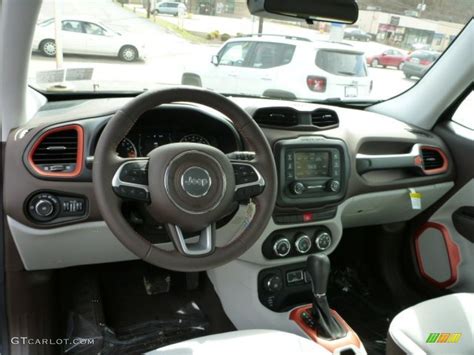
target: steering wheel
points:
(186, 186)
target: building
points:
(405, 31)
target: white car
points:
(82, 36)
(263, 65)
(170, 8)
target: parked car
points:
(388, 58)
(419, 46)
(356, 34)
(170, 8)
(83, 36)
(418, 63)
(257, 65)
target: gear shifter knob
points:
(318, 267)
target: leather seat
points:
(245, 342)
(443, 325)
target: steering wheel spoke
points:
(248, 180)
(204, 246)
(130, 181)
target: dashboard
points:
(337, 168)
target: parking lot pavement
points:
(168, 54)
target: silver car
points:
(170, 8)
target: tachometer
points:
(195, 138)
(126, 149)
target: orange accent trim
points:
(351, 337)
(452, 248)
(445, 165)
(79, 157)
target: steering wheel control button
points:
(132, 193)
(196, 181)
(303, 243)
(282, 247)
(273, 283)
(135, 173)
(131, 180)
(323, 240)
(244, 174)
(248, 181)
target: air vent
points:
(434, 160)
(323, 118)
(58, 152)
(274, 116)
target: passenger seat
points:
(443, 325)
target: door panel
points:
(454, 215)
(444, 255)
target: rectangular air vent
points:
(58, 152)
(274, 116)
(434, 160)
(324, 118)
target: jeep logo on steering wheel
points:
(196, 181)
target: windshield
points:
(137, 45)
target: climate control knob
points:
(323, 240)
(282, 247)
(303, 243)
(44, 208)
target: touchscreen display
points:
(311, 164)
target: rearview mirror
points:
(342, 11)
(215, 60)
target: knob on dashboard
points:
(44, 208)
(302, 243)
(323, 240)
(282, 247)
(333, 185)
(273, 283)
(298, 188)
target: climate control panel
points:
(297, 242)
(48, 207)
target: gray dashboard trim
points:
(93, 242)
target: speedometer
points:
(195, 138)
(126, 149)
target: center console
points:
(313, 170)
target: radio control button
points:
(333, 185)
(298, 188)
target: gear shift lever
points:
(318, 267)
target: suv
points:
(262, 65)
(170, 8)
(418, 63)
